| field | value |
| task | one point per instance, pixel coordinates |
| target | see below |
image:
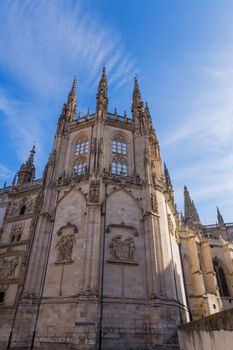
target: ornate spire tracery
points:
(191, 217)
(27, 170)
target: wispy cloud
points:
(5, 173)
(43, 45)
(47, 39)
(203, 140)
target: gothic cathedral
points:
(94, 255)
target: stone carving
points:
(170, 224)
(93, 145)
(154, 203)
(122, 249)
(101, 145)
(94, 192)
(16, 232)
(14, 209)
(29, 206)
(52, 158)
(8, 266)
(65, 248)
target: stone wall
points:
(209, 333)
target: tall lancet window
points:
(119, 145)
(119, 166)
(82, 147)
(221, 279)
(119, 156)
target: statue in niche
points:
(122, 249)
(65, 248)
(8, 266)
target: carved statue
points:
(170, 224)
(93, 145)
(8, 266)
(65, 248)
(94, 192)
(122, 249)
(154, 203)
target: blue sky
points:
(182, 53)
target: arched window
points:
(221, 279)
(22, 210)
(119, 145)
(80, 168)
(2, 296)
(119, 166)
(82, 147)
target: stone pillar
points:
(196, 274)
(209, 274)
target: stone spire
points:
(27, 170)
(71, 103)
(167, 179)
(137, 105)
(191, 217)
(102, 96)
(220, 218)
(69, 109)
(168, 183)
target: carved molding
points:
(122, 225)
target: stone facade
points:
(94, 255)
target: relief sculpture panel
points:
(122, 250)
(8, 266)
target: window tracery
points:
(119, 166)
(119, 160)
(80, 168)
(82, 147)
(119, 145)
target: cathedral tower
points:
(104, 270)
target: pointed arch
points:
(73, 187)
(221, 278)
(128, 193)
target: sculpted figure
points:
(122, 249)
(65, 248)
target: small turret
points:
(27, 170)
(102, 96)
